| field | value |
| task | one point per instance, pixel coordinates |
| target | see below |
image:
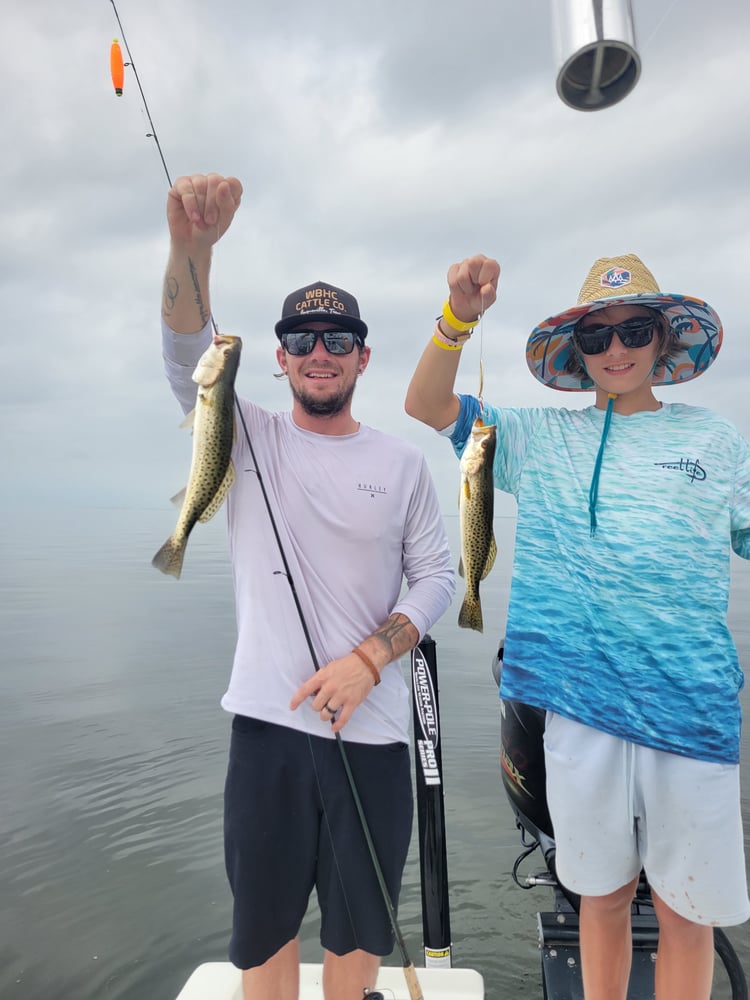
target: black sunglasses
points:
(638, 331)
(299, 342)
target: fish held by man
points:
(211, 470)
(476, 509)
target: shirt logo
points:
(691, 467)
(372, 489)
(615, 277)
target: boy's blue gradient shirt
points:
(625, 631)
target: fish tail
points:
(470, 615)
(169, 557)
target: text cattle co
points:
(321, 298)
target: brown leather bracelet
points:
(368, 663)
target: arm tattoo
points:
(394, 636)
(202, 311)
(169, 297)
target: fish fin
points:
(189, 420)
(461, 566)
(220, 494)
(179, 498)
(470, 615)
(491, 557)
(169, 557)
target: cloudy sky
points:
(377, 142)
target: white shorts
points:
(617, 807)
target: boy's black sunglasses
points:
(638, 331)
(299, 342)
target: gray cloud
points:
(377, 143)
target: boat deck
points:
(221, 981)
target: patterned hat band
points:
(625, 280)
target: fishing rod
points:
(410, 975)
(152, 134)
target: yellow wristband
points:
(444, 345)
(454, 322)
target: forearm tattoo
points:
(398, 635)
(171, 288)
(202, 311)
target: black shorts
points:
(291, 824)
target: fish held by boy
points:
(476, 508)
(211, 470)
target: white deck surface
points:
(221, 981)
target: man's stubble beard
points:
(328, 407)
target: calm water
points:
(113, 748)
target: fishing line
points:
(410, 974)
(658, 26)
(481, 353)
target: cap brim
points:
(321, 316)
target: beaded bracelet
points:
(368, 663)
(454, 321)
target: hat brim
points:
(321, 316)
(694, 323)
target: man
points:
(627, 510)
(356, 513)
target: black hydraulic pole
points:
(436, 924)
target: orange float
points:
(117, 67)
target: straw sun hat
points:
(626, 280)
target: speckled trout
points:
(211, 469)
(475, 510)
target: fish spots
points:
(211, 471)
(476, 510)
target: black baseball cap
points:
(320, 302)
